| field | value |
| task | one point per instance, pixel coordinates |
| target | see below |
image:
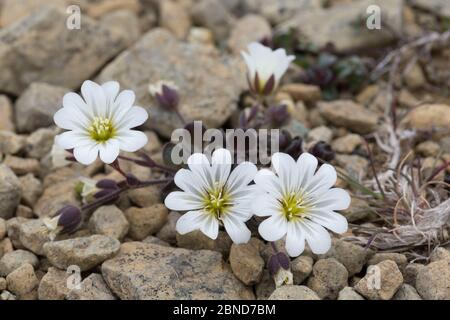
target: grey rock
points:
(10, 192)
(348, 293)
(406, 292)
(433, 281)
(147, 271)
(352, 256)
(381, 281)
(13, 230)
(84, 252)
(6, 114)
(109, 221)
(301, 268)
(348, 114)
(11, 143)
(40, 142)
(205, 83)
(213, 15)
(37, 105)
(265, 287)
(398, 258)
(91, 288)
(23, 282)
(328, 278)
(2, 228)
(437, 254)
(246, 261)
(250, 28)
(15, 259)
(45, 45)
(31, 189)
(344, 25)
(439, 7)
(146, 221)
(293, 293)
(53, 285)
(410, 273)
(33, 234)
(168, 232)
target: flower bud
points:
(87, 188)
(323, 151)
(132, 180)
(69, 218)
(265, 67)
(166, 95)
(279, 265)
(295, 148)
(107, 184)
(277, 115)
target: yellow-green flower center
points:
(101, 129)
(294, 206)
(217, 202)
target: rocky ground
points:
(131, 250)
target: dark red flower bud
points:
(69, 218)
(168, 98)
(323, 151)
(277, 115)
(277, 261)
(295, 148)
(132, 180)
(107, 184)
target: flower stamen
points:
(294, 206)
(217, 202)
(101, 129)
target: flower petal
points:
(221, 165)
(109, 151)
(182, 201)
(190, 221)
(318, 238)
(330, 220)
(65, 119)
(210, 227)
(273, 228)
(72, 139)
(323, 180)
(78, 108)
(86, 154)
(95, 98)
(295, 240)
(111, 89)
(236, 229)
(199, 165)
(241, 176)
(333, 199)
(267, 181)
(131, 140)
(135, 116)
(306, 166)
(122, 105)
(265, 205)
(285, 167)
(188, 182)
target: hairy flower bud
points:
(278, 115)
(69, 218)
(323, 151)
(166, 94)
(279, 265)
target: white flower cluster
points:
(298, 200)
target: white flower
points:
(58, 156)
(88, 189)
(213, 195)
(101, 123)
(265, 67)
(300, 203)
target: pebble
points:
(146, 221)
(292, 292)
(322, 133)
(15, 259)
(6, 114)
(23, 282)
(31, 189)
(398, 258)
(439, 253)
(348, 293)
(381, 281)
(427, 116)
(149, 271)
(302, 92)
(10, 192)
(84, 252)
(347, 144)
(246, 261)
(248, 29)
(433, 281)
(352, 256)
(168, 232)
(2, 228)
(22, 166)
(406, 292)
(301, 268)
(348, 114)
(410, 273)
(109, 221)
(93, 287)
(53, 285)
(174, 18)
(329, 277)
